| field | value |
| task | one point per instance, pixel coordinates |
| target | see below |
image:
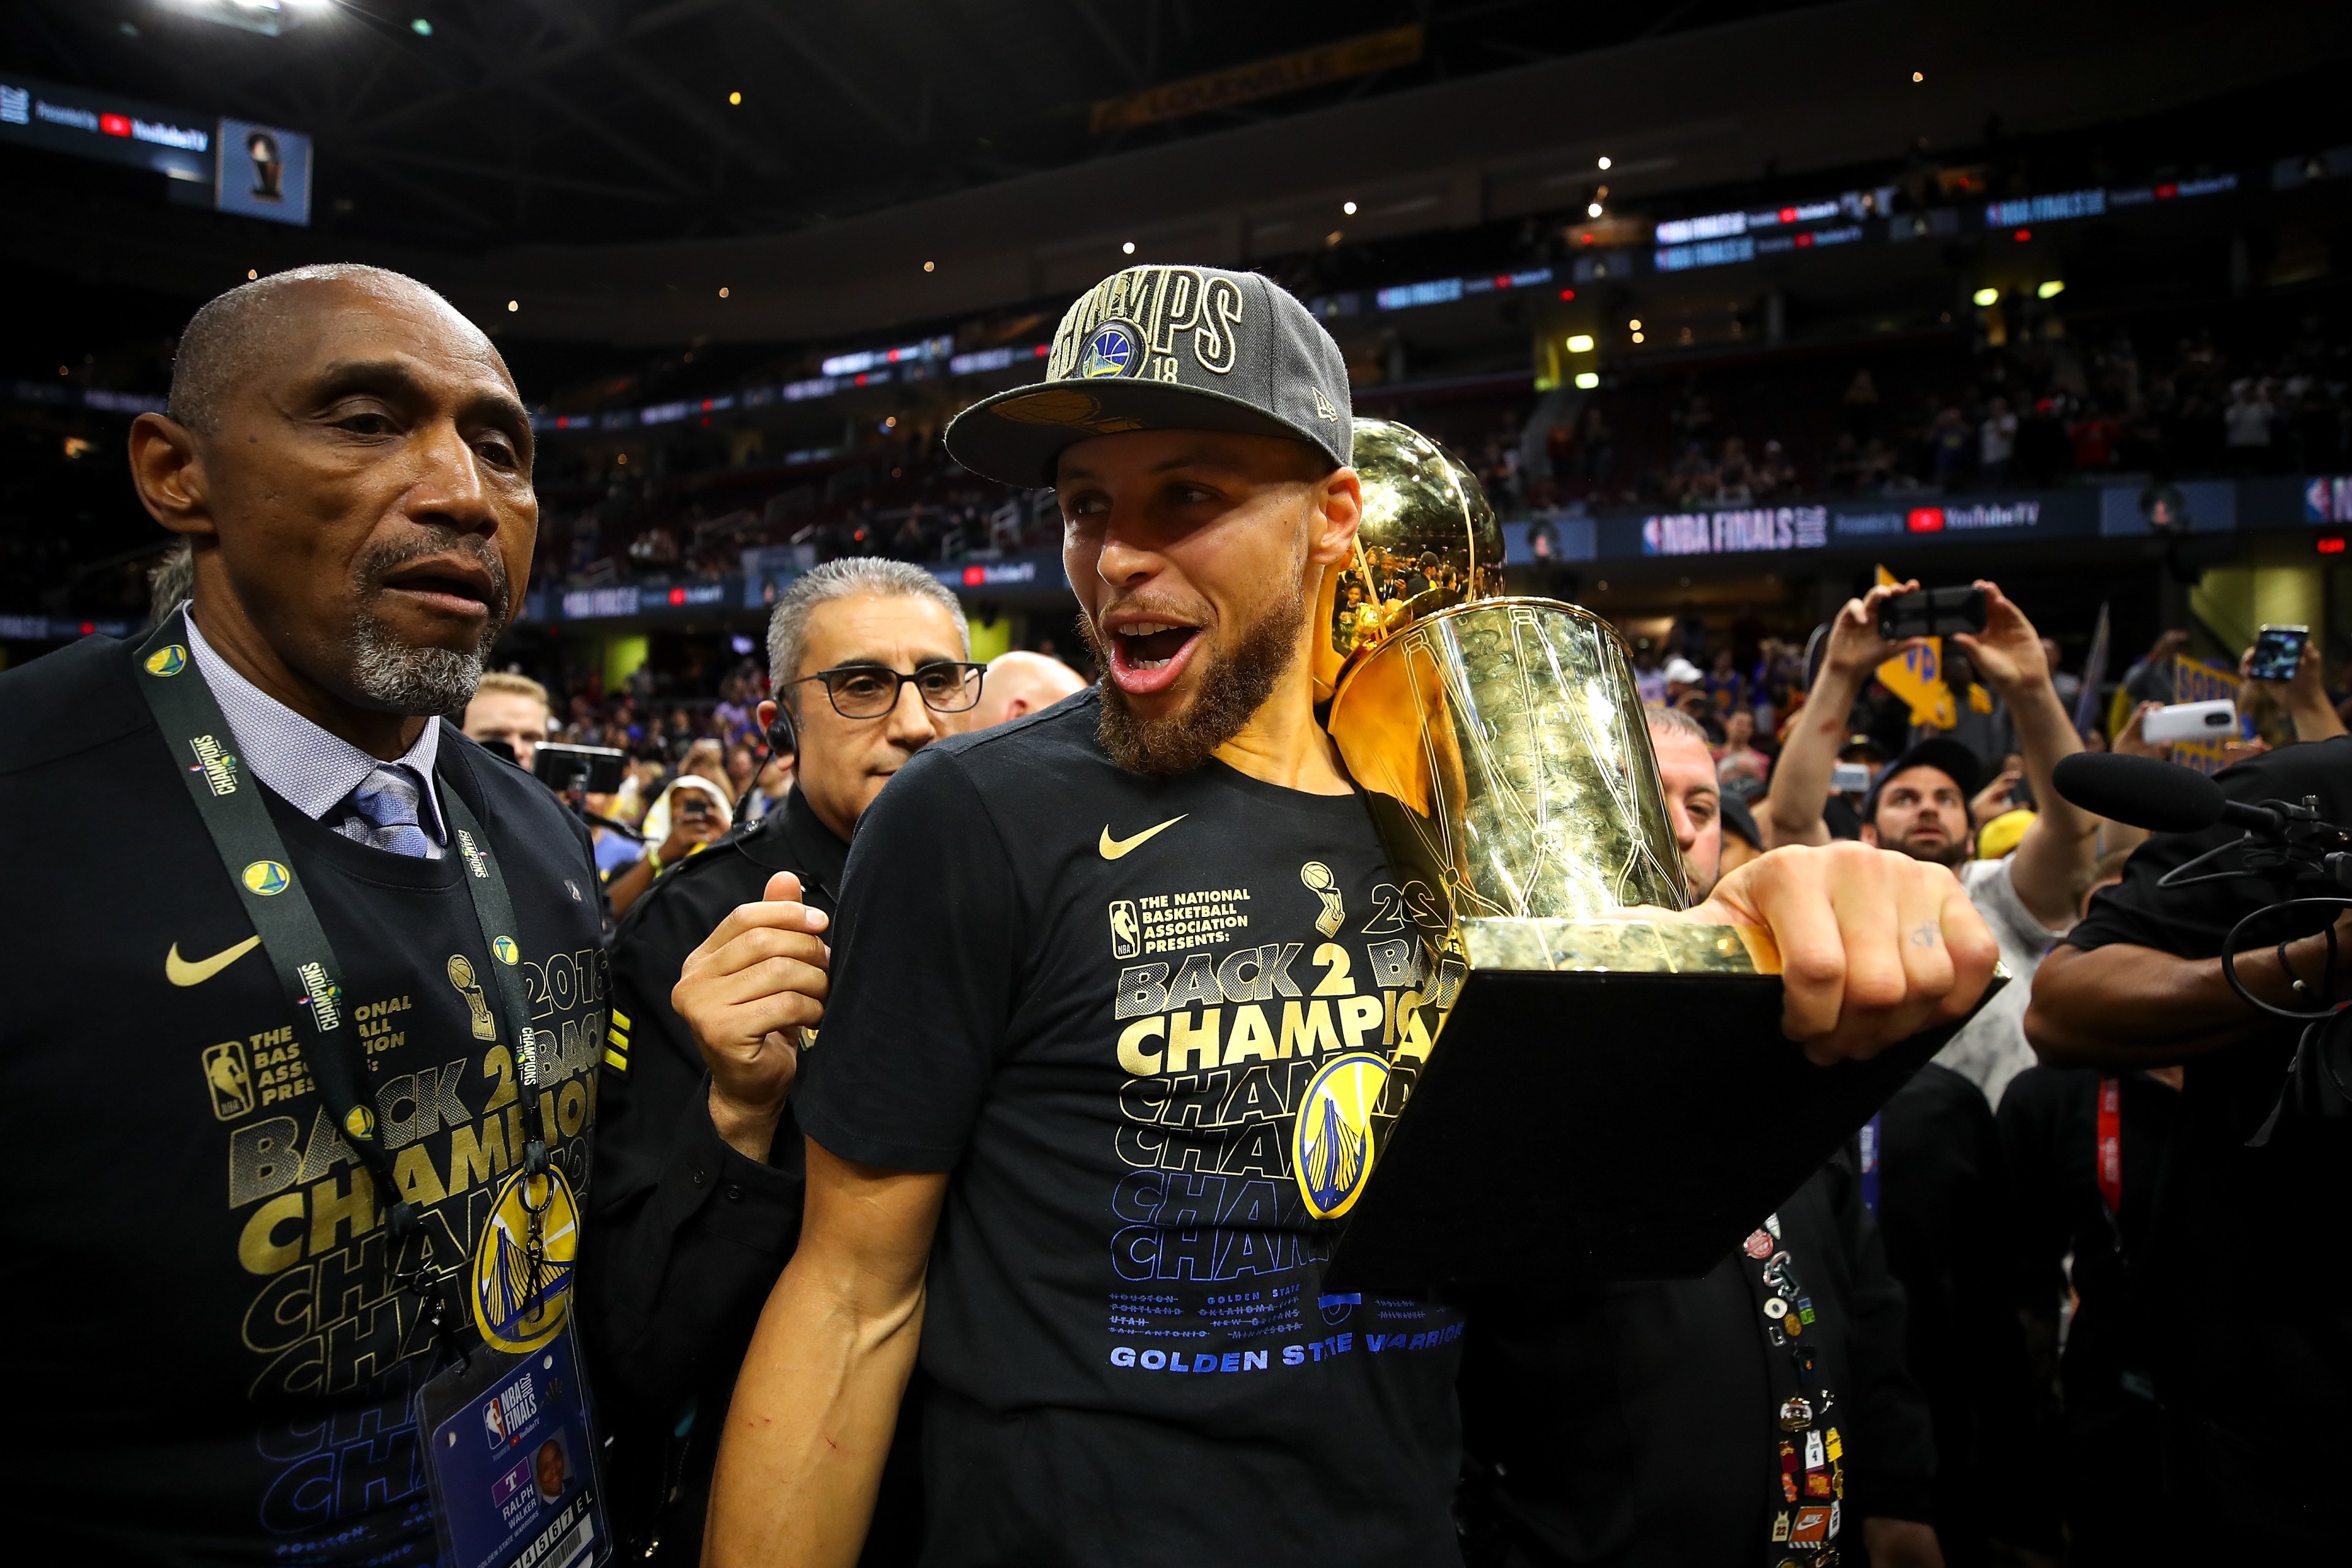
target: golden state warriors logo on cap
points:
(267, 878)
(520, 1293)
(1114, 349)
(505, 948)
(167, 661)
(1331, 1148)
(359, 1122)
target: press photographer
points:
(2250, 1241)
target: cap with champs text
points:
(1166, 348)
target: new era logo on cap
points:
(1166, 348)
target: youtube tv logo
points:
(1924, 520)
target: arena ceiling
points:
(471, 124)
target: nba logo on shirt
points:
(225, 1076)
(494, 1425)
(1126, 936)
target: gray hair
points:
(171, 580)
(225, 338)
(843, 579)
(1666, 722)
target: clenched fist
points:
(1875, 946)
(747, 993)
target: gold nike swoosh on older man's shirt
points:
(182, 972)
(1112, 848)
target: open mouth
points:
(1149, 656)
(453, 586)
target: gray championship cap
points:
(1166, 348)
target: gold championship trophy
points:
(1612, 1097)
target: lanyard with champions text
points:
(537, 1498)
(282, 915)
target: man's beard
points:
(403, 677)
(1232, 689)
(1952, 854)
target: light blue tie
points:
(387, 802)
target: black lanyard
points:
(228, 797)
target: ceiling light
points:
(1604, 163)
(722, 290)
(1592, 209)
(1918, 76)
(252, 273)
(1633, 326)
(1984, 296)
(1586, 380)
(1581, 343)
(1347, 207)
(928, 264)
(1128, 249)
(514, 304)
(2050, 290)
(421, 27)
(735, 98)
(1637, 337)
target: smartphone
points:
(1931, 613)
(594, 770)
(2214, 721)
(2277, 651)
(1850, 778)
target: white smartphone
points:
(2214, 721)
(1849, 778)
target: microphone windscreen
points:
(2163, 798)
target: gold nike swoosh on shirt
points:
(182, 972)
(1112, 848)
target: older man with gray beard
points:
(293, 1106)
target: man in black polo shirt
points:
(699, 1172)
(1126, 988)
(207, 1357)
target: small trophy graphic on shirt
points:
(461, 975)
(1318, 877)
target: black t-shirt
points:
(1102, 1000)
(1634, 1424)
(1944, 1208)
(2268, 1378)
(204, 1356)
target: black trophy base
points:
(1576, 1127)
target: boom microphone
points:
(2162, 797)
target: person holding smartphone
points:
(1919, 803)
(692, 812)
(1942, 1188)
(2282, 670)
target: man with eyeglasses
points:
(699, 1164)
